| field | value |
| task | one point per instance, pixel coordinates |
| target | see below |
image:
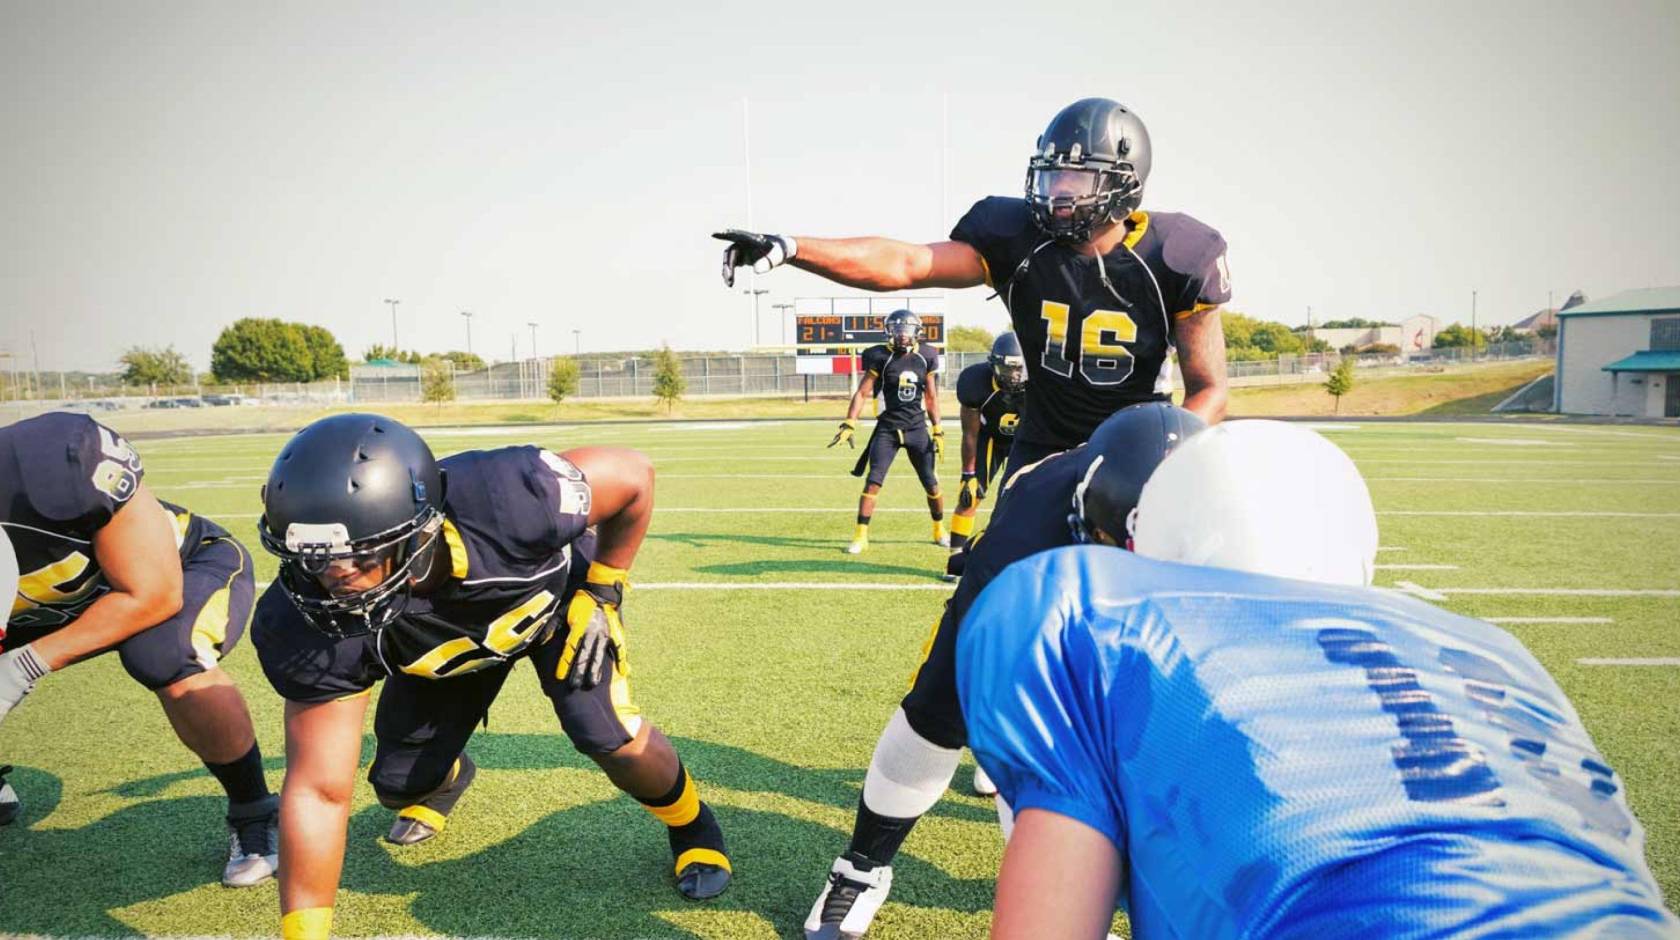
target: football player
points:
(106, 566)
(904, 372)
(1084, 494)
(437, 576)
(990, 394)
(1231, 734)
(1099, 290)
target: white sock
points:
(908, 773)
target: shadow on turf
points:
(599, 869)
(832, 563)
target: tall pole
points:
(533, 325)
(393, 304)
(469, 316)
(746, 171)
(944, 160)
(783, 310)
(577, 342)
(1473, 333)
(756, 293)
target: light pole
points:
(1473, 333)
(756, 293)
(577, 342)
(469, 316)
(783, 309)
(393, 304)
(533, 325)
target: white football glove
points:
(20, 669)
(762, 252)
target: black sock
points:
(876, 838)
(958, 541)
(936, 507)
(242, 779)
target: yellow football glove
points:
(968, 496)
(938, 441)
(845, 433)
(594, 628)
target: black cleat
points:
(10, 806)
(702, 867)
(425, 819)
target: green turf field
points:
(772, 659)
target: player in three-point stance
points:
(904, 372)
(437, 576)
(107, 566)
(1230, 734)
(1084, 494)
(1098, 289)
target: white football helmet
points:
(1260, 496)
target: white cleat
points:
(983, 785)
(848, 901)
(944, 540)
(857, 547)
(253, 843)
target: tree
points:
(437, 380)
(564, 377)
(1459, 336)
(960, 339)
(146, 366)
(465, 361)
(256, 349)
(668, 381)
(379, 351)
(1247, 338)
(1340, 381)
(326, 356)
(1352, 323)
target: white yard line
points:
(1416, 567)
(1441, 593)
(771, 586)
(1512, 441)
(1525, 481)
(1389, 548)
(1549, 619)
(1530, 512)
(1417, 590)
(1651, 661)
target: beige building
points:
(1415, 334)
(1621, 355)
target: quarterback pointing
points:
(1098, 289)
(436, 576)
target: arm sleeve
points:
(1195, 254)
(1034, 722)
(78, 472)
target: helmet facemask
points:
(903, 330)
(1010, 372)
(306, 551)
(1072, 195)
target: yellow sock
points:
(938, 530)
(862, 533)
(311, 923)
(962, 525)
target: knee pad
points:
(908, 773)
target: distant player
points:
(437, 576)
(1099, 290)
(1082, 495)
(904, 372)
(990, 394)
(106, 566)
(1244, 739)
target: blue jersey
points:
(1277, 758)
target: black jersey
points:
(1000, 411)
(900, 379)
(1032, 519)
(63, 477)
(511, 517)
(1095, 332)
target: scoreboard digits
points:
(859, 329)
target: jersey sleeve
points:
(77, 472)
(571, 498)
(1195, 255)
(1036, 722)
(935, 362)
(973, 385)
(303, 664)
(993, 227)
(875, 360)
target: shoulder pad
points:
(974, 384)
(1188, 245)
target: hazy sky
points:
(167, 168)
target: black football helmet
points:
(903, 329)
(1009, 363)
(1129, 446)
(361, 487)
(1089, 169)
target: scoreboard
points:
(857, 329)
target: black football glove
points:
(594, 629)
(751, 249)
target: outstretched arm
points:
(887, 264)
(1059, 878)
